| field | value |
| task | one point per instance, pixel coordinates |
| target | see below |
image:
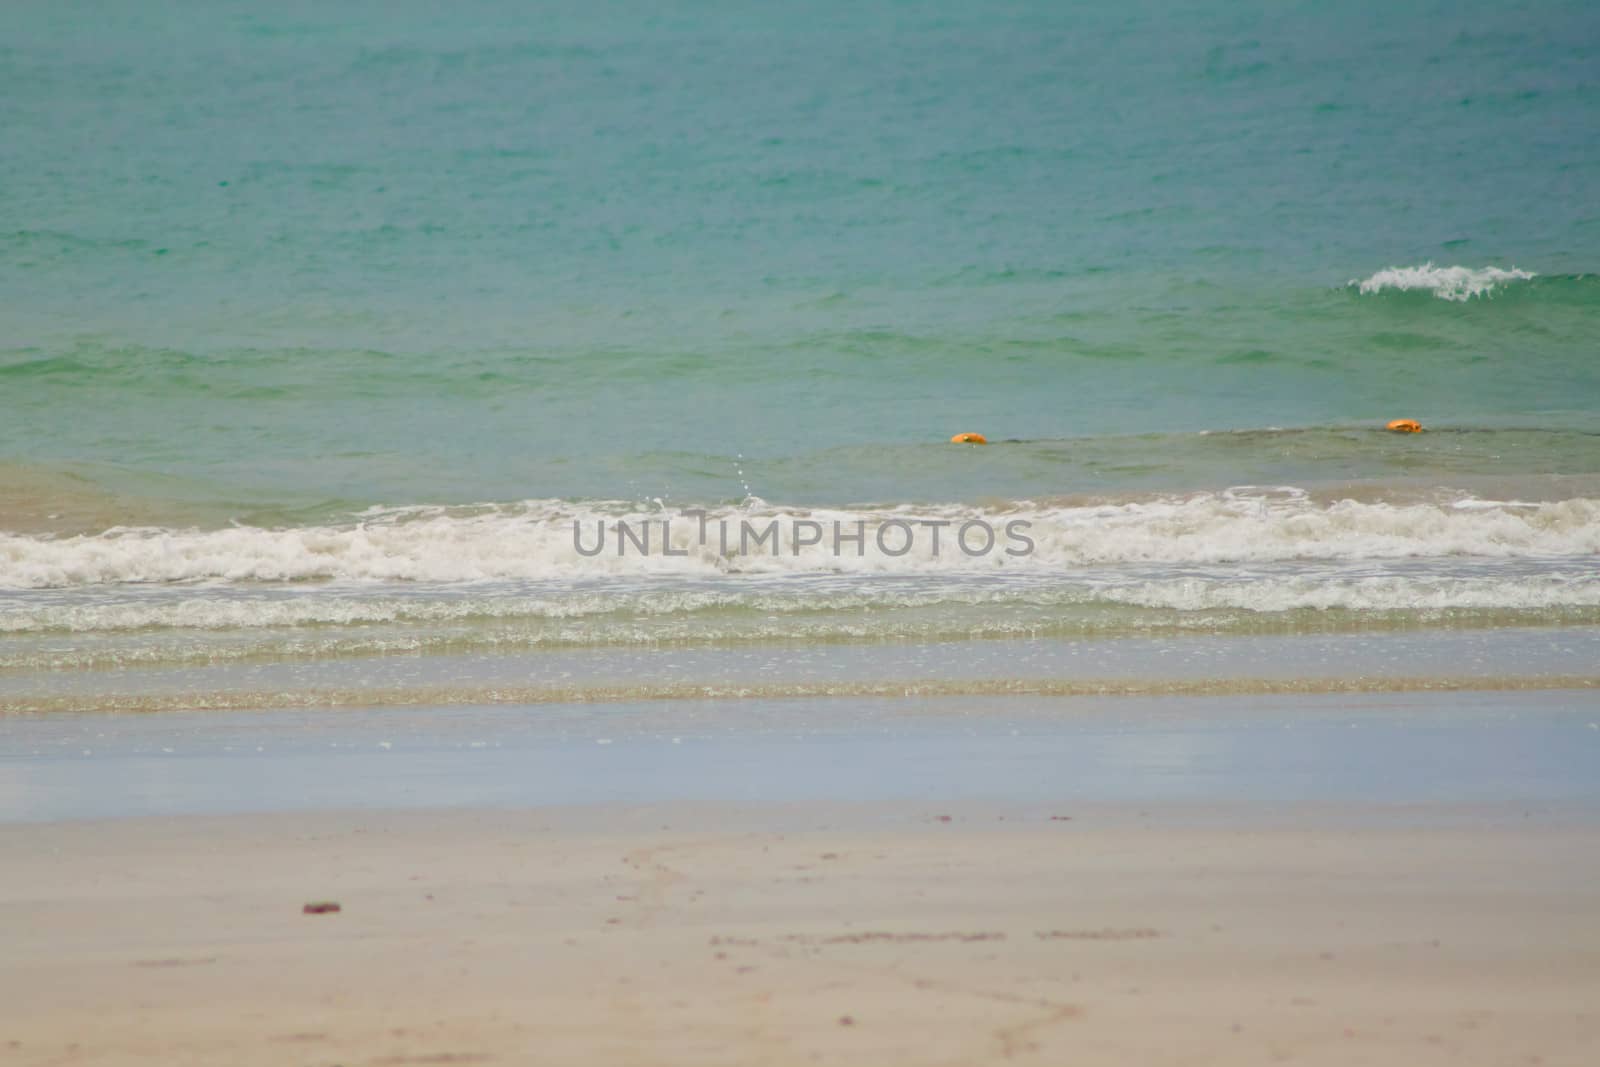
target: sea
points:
(399, 353)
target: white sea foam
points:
(1367, 594)
(535, 541)
(1446, 283)
(750, 611)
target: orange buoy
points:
(1404, 426)
(969, 439)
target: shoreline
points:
(1510, 659)
(1400, 879)
(525, 696)
(1537, 749)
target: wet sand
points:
(869, 934)
(1489, 751)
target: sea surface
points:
(331, 336)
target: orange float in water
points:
(969, 439)
(1404, 426)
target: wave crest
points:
(535, 540)
(1459, 284)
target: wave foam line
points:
(368, 698)
(535, 540)
(737, 615)
(190, 654)
(1459, 284)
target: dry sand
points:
(803, 936)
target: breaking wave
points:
(1446, 283)
(535, 540)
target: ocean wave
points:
(541, 540)
(1447, 283)
(342, 622)
(1366, 594)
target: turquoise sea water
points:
(491, 268)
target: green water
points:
(325, 324)
(281, 255)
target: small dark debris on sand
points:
(885, 937)
(321, 907)
(1108, 934)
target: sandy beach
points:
(1391, 878)
(865, 935)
